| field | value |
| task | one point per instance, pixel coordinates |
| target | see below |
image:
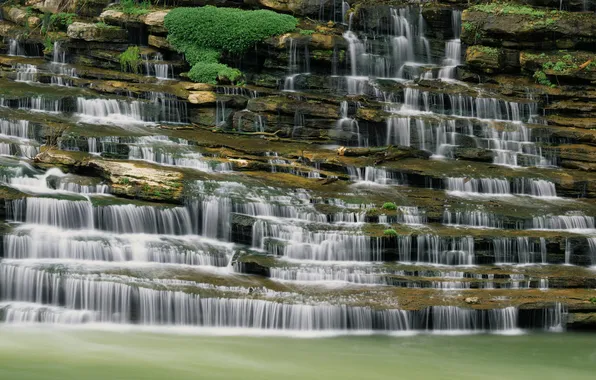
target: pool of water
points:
(49, 353)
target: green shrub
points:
(541, 78)
(389, 206)
(205, 55)
(592, 300)
(61, 21)
(228, 29)
(390, 232)
(204, 33)
(131, 60)
(135, 7)
(211, 72)
(48, 46)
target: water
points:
(63, 72)
(137, 354)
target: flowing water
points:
(173, 249)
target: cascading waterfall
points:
(63, 72)
(16, 48)
(473, 219)
(452, 48)
(26, 72)
(563, 222)
(464, 185)
(163, 71)
(518, 250)
(372, 176)
(296, 66)
(33, 295)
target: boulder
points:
(297, 7)
(202, 97)
(96, 32)
(525, 27)
(155, 21)
(159, 42)
(484, 58)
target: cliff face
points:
(447, 144)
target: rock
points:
(33, 22)
(582, 320)
(297, 7)
(159, 42)
(471, 300)
(155, 21)
(95, 32)
(324, 41)
(291, 106)
(202, 97)
(47, 6)
(565, 65)
(474, 154)
(484, 58)
(16, 15)
(539, 29)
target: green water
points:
(34, 353)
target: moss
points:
(500, 8)
(389, 206)
(204, 34)
(390, 232)
(131, 60)
(135, 7)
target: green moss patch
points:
(204, 34)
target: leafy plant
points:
(389, 206)
(61, 21)
(307, 32)
(131, 60)
(541, 78)
(204, 34)
(592, 300)
(48, 46)
(135, 7)
(228, 29)
(212, 72)
(390, 232)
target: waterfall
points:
(474, 186)
(295, 67)
(563, 222)
(452, 48)
(535, 187)
(163, 71)
(592, 249)
(26, 72)
(471, 219)
(517, 250)
(437, 250)
(16, 48)
(41, 104)
(15, 128)
(63, 73)
(372, 175)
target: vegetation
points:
(131, 60)
(61, 21)
(307, 32)
(593, 300)
(135, 7)
(390, 232)
(205, 34)
(389, 206)
(515, 9)
(48, 46)
(212, 72)
(541, 78)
